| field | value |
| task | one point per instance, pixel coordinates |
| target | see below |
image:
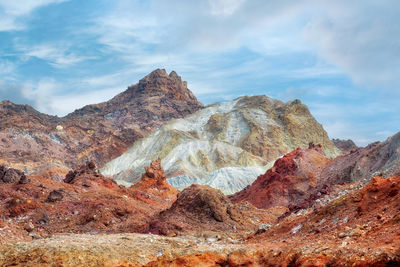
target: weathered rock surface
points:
(11, 176)
(346, 146)
(359, 229)
(86, 203)
(294, 179)
(225, 145)
(379, 158)
(199, 209)
(99, 132)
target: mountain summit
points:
(99, 132)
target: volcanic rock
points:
(88, 203)
(201, 208)
(346, 146)
(379, 158)
(225, 145)
(154, 171)
(89, 169)
(54, 196)
(367, 241)
(12, 176)
(294, 179)
(97, 132)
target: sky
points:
(341, 58)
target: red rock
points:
(292, 181)
(202, 208)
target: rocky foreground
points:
(359, 229)
(89, 220)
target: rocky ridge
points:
(346, 146)
(99, 132)
(292, 180)
(379, 158)
(225, 145)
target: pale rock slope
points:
(225, 145)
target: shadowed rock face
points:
(98, 132)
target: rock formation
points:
(200, 208)
(12, 176)
(225, 145)
(358, 229)
(379, 158)
(346, 146)
(292, 180)
(97, 132)
(85, 202)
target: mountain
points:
(303, 176)
(346, 146)
(100, 132)
(225, 145)
(379, 158)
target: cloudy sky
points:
(341, 58)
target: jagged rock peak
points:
(172, 84)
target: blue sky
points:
(341, 58)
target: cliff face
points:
(99, 132)
(225, 145)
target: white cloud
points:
(225, 7)
(361, 38)
(56, 55)
(66, 103)
(358, 38)
(12, 10)
(7, 67)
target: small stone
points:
(276, 254)
(211, 239)
(29, 227)
(264, 226)
(342, 235)
(45, 219)
(54, 196)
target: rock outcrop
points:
(98, 132)
(379, 158)
(225, 145)
(11, 176)
(200, 208)
(358, 229)
(294, 179)
(85, 202)
(346, 146)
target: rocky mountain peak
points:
(170, 84)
